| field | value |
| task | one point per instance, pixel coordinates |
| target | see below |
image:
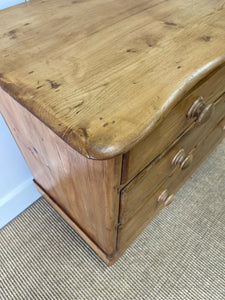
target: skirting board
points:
(17, 200)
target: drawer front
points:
(129, 231)
(135, 193)
(211, 88)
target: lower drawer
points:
(163, 195)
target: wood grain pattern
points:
(103, 74)
(108, 260)
(143, 185)
(113, 81)
(86, 190)
(210, 88)
(151, 207)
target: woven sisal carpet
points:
(180, 255)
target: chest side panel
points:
(85, 189)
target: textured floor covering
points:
(180, 255)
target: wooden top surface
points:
(102, 73)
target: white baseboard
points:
(12, 204)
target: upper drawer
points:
(177, 120)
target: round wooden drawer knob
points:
(180, 159)
(165, 198)
(200, 110)
(206, 113)
(187, 161)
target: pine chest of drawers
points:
(113, 104)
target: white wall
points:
(17, 190)
(7, 3)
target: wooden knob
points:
(187, 161)
(165, 198)
(200, 110)
(206, 113)
(179, 157)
